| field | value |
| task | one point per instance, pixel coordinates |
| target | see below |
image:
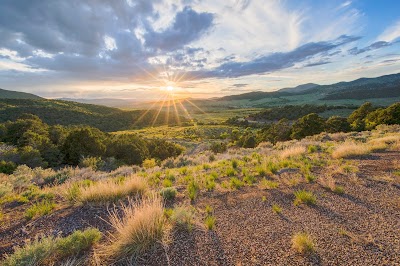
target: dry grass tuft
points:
(350, 149)
(140, 227)
(293, 151)
(303, 243)
(111, 191)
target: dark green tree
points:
(308, 125)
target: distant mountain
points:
(110, 102)
(6, 94)
(300, 88)
(354, 92)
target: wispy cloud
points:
(392, 33)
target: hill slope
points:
(71, 113)
(6, 94)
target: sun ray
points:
(159, 111)
(176, 112)
(145, 113)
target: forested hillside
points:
(65, 113)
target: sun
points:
(170, 88)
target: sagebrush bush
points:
(182, 218)
(39, 209)
(49, 250)
(168, 193)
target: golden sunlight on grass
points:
(293, 151)
(140, 227)
(349, 149)
(110, 191)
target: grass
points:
(291, 152)
(49, 249)
(350, 149)
(210, 222)
(39, 209)
(306, 197)
(140, 227)
(109, 191)
(276, 208)
(235, 183)
(303, 243)
(193, 190)
(268, 184)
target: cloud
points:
(374, 46)
(187, 27)
(275, 61)
(317, 63)
(240, 85)
(392, 33)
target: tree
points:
(356, 119)
(128, 148)
(276, 132)
(83, 142)
(337, 124)
(308, 125)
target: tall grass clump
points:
(110, 191)
(293, 151)
(350, 149)
(49, 250)
(141, 225)
(303, 243)
(193, 190)
(306, 197)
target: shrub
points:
(50, 249)
(168, 193)
(276, 208)
(210, 222)
(182, 218)
(310, 177)
(350, 149)
(235, 183)
(303, 243)
(303, 196)
(109, 191)
(149, 163)
(249, 179)
(39, 209)
(140, 227)
(7, 167)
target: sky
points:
(138, 49)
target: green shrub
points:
(39, 209)
(7, 167)
(182, 218)
(168, 193)
(230, 172)
(46, 250)
(303, 243)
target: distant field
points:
(192, 133)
